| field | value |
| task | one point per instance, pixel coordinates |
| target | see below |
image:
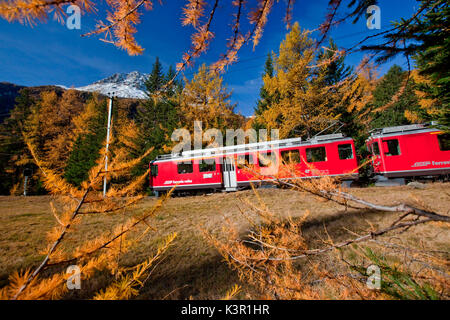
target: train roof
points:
(397, 130)
(258, 146)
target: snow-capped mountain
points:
(122, 85)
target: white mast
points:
(107, 142)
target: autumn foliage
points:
(102, 252)
(300, 100)
(206, 98)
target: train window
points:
(244, 159)
(207, 166)
(265, 159)
(316, 154)
(444, 142)
(185, 167)
(393, 148)
(290, 156)
(345, 151)
(154, 170)
(376, 149)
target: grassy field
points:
(192, 268)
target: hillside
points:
(8, 94)
(121, 85)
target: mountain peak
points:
(122, 85)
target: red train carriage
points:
(223, 168)
(409, 151)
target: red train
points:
(398, 152)
(409, 151)
(222, 168)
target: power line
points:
(265, 55)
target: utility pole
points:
(107, 141)
(25, 186)
(27, 173)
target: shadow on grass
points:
(209, 280)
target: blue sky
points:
(50, 53)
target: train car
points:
(409, 151)
(224, 168)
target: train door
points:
(229, 174)
(374, 148)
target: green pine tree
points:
(265, 99)
(156, 121)
(82, 158)
(157, 117)
(86, 148)
(385, 90)
(337, 70)
(156, 80)
(176, 87)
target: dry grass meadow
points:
(192, 268)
